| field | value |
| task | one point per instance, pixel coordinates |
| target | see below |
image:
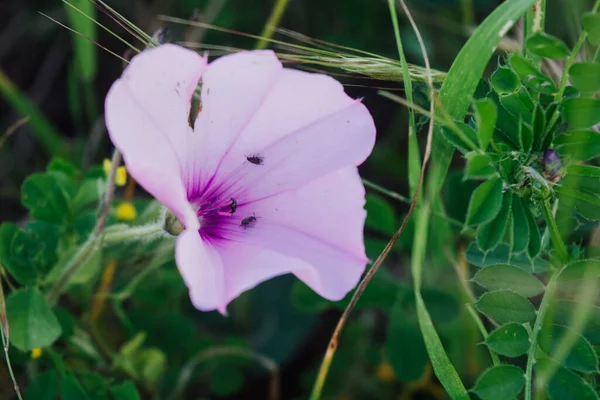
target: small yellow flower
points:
(121, 174)
(385, 373)
(36, 353)
(126, 211)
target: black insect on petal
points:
(233, 205)
(255, 159)
(248, 222)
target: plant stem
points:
(559, 244)
(548, 294)
(483, 331)
(271, 24)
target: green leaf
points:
(23, 272)
(490, 233)
(45, 198)
(381, 216)
(506, 306)
(479, 166)
(530, 76)
(539, 126)
(519, 105)
(504, 80)
(71, 389)
(510, 340)
(485, 202)
(535, 240)
(565, 310)
(580, 270)
(581, 112)
(486, 121)
(591, 24)
(500, 383)
(409, 362)
(567, 385)
(504, 276)
(43, 386)
(503, 255)
(579, 145)
(544, 45)
(583, 177)
(462, 136)
(520, 226)
(581, 357)
(586, 204)
(585, 76)
(31, 320)
(125, 391)
(526, 137)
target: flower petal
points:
(201, 267)
(233, 88)
(344, 138)
(317, 226)
(146, 116)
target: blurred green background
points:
(60, 80)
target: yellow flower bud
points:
(120, 175)
(126, 211)
(36, 353)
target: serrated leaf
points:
(510, 340)
(45, 198)
(504, 80)
(500, 383)
(506, 306)
(520, 226)
(579, 145)
(479, 166)
(581, 357)
(381, 216)
(581, 112)
(31, 320)
(535, 240)
(519, 105)
(504, 276)
(591, 24)
(487, 115)
(586, 204)
(530, 76)
(485, 202)
(545, 45)
(490, 233)
(567, 385)
(585, 76)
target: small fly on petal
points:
(248, 222)
(255, 159)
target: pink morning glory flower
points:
(263, 183)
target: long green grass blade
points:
(454, 98)
(44, 131)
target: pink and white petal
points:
(146, 120)
(246, 266)
(233, 88)
(344, 138)
(297, 99)
(201, 267)
(320, 224)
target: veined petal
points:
(319, 224)
(201, 267)
(233, 89)
(146, 116)
(344, 138)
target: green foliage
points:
(485, 203)
(591, 24)
(510, 340)
(585, 77)
(509, 277)
(506, 306)
(548, 46)
(567, 385)
(500, 382)
(581, 357)
(32, 322)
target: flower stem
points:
(146, 232)
(548, 294)
(271, 24)
(559, 244)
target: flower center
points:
(215, 217)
